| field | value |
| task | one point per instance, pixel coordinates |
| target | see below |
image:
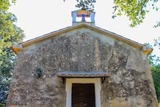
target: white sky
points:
(38, 17)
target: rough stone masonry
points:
(130, 83)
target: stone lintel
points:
(82, 74)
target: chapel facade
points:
(82, 66)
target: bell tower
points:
(83, 14)
(86, 12)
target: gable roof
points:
(17, 48)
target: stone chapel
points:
(82, 66)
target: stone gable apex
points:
(17, 48)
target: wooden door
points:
(83, 95)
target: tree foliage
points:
(9, 35)
(135, 10)
(155, 68)
(156, 77)
(9, 32)
(85, 4)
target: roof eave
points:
(100, 30)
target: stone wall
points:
(130, 84)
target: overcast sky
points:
(38, 17)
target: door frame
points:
(95, 81)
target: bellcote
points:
(87, 17)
